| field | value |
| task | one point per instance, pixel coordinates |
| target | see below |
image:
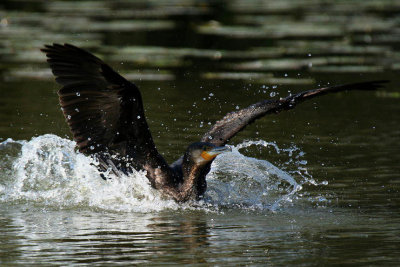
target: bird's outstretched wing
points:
(234, 122)
(103, 110)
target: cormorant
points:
(105, 114)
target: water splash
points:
(48, 171)
(238, 180)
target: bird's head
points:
(201, 153)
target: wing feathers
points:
(99, 105)
(234, 122)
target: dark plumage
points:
(105, 114)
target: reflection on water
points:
(328, 194)
(80, 237)
(173, 35)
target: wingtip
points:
(47, 48)
(364, 86)
(55, 46)
(376, 85)
(381, 83)
(368, 85)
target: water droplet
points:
(138, 117)
(91, 147)
(272, 94)
(237, 107)
(78, 94)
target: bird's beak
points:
(211, 154)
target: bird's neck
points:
(188, 188)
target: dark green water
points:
(194, 62)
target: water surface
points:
(317, 185)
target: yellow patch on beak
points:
(205, 155)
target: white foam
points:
(49, 171)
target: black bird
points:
(105, 114)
